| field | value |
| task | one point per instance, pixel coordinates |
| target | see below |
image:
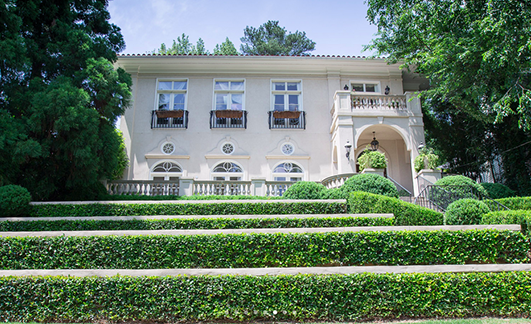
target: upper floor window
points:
(171, 94)
(287, 95)
(229, 95)
(366, 87)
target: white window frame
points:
(365, 82)
(227, 175)
(171, 103)
(286, 93)
(166, 175)
(275, 175)
(230, 92)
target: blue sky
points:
(337, 27)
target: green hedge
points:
(199, 223)
(405, 213)
(228, 208)
(356, 297)
(263, 250)
(194, 197)
(521, 217)
(514, 203)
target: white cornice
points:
(287, 157)
(258, 65)
(165, 156)
(222, 156)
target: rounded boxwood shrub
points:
(497, 190)
(335, 193)
(461, 184)
(465, 212)
(372, 183)
(14, 200)
(304, 190)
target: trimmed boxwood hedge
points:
(405, 213)
(225, 208)
(514, 203)
(356, 297)
(263, 250)
(199, 223)
(521, 217)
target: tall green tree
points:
(182, 45)
(59, 96)
(226, 48)
(476, 54)
(271, 39)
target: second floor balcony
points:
(228, 119)
(169, 119)
(287, 120)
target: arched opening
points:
(288, 171)
(166, 170)
(227, 171)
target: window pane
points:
(174, 178)
(222, 85)
(164, 101)
(221, 101)
(295, 179)
(279, 86)
(280, 178)
(293, 102)
(165, 85)
(236, 85)
(293, 86)
(219, 178)
(178, 101)
(279, 102)
(179, 85)
(357, 87)
(236, 178)
(237, 101)
(370, 88)
(158, 178)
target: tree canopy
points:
(476, 54)
(271, 39)
(182, 45)
(226, 48)
(59, 96)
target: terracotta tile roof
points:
(218, 55)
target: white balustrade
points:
(143, 187)
(376, 102)
(336, 181)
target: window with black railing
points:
(228, 119)
(287, 120)
(169, 119)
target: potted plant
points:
(229, 113)
(170, 113)
(372, 160)
(426, 160)
(286, 114)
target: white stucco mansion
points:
(267, 118)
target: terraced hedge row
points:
(228, 208)
(199, 223)
(300, 297)
(405, 213)
(514, 203)
(264, 250)
(521, 217)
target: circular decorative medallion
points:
(287, 149)
(227, 148)
(168, 148)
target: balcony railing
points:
(175, 119)
(142, 187)
(228, 119)
(297, 120)
(390, 102)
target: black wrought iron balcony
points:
(169, 119)
(287, 120)
(228, 119)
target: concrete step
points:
(451, 268)
(262, 230)
(236, 201)
(126, 218)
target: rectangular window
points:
(287, 95)
(229, 95)
(366, 87)
(171, 95)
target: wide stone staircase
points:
(231, 267)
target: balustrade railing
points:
(228, 119)
(390, 102)
(217, 187)
(337, 180)
(440, 197)
(277, 188)
(142, 187)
